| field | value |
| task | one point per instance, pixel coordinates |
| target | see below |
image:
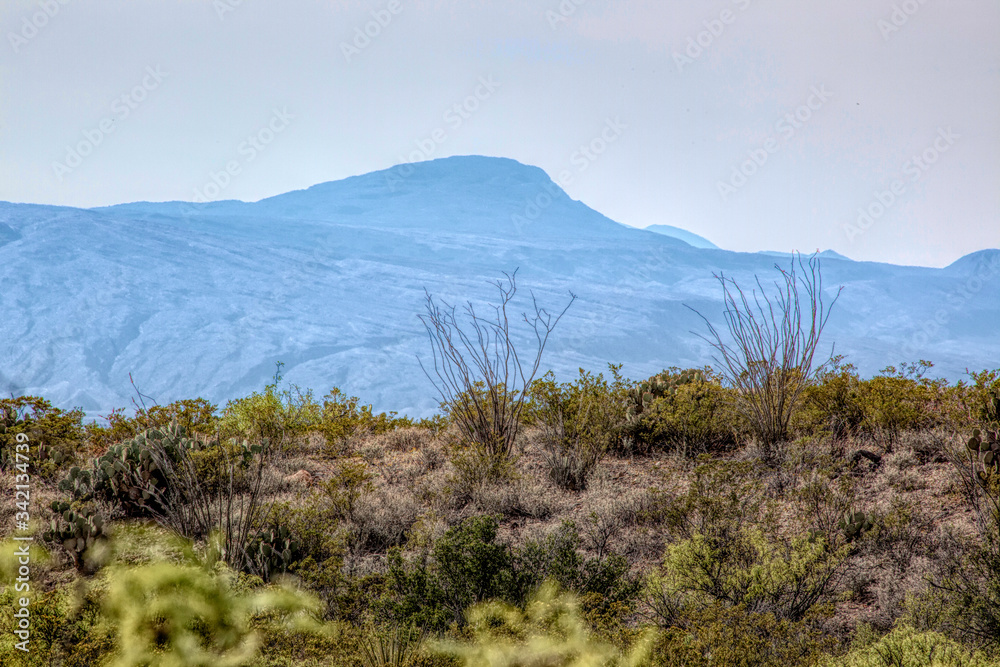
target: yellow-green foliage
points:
(194, 415)
(587, 410)
(830, 405)
(883, 406)
(549, 632)
(979, 396)
(272, 417)
(721, 636)
(341, 416)
(190, 613)
(728, 552)
(761, 574)
(906, 647)
(580, 422)
(891, 404)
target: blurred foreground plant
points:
(549, 632)
(169, 614)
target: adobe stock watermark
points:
(566, 9)
(785, 127)
(534, 51)
(223, 7)
(899, 17)
(122, 107)
(987, 270)
(714, 28)
(381, 18)
(22, 525)
(35, 23)
(914, 169)
(582, 158)
(454, 117)
(247, 151)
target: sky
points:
(869, 127)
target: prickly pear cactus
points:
(854, 524)
(662, 384)
(273, 551)
(131, 473)
(76, 529)
(985, 447)
(79, 484)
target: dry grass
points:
(412, 497)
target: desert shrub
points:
(726, 551)
(830, 405)
(54, 435)
(760, 574)
(579, 422)
(897, 400)
(978, 397)
(823, 505)
(349, 480)
(66, 629)
(272, 418)
(603, 583)
(194, 415)
(722, 499)
(724, 636)
(969, 584)
(467, 565)
(687, 410)
(382, 519)
(517, 500)
(907, 647)
(341, 416)
(966, 596)
(550, 631)
(219, 464)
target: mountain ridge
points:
(202, 300)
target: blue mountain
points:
(203, 299)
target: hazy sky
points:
(762, 125)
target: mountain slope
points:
(203, 300)
(690, 238)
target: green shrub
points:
(464, 567)
(66, 630)
(579, 422)
(342, 417)
(724, 636)
(831, 404)
(906, 647)
(898, 400)
(193, 415)
(272, 418)
(687, 410)
(55, 436)
(728, 552)
(604, 583)
(762, 575)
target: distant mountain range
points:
(203, 299)
(690, 238)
